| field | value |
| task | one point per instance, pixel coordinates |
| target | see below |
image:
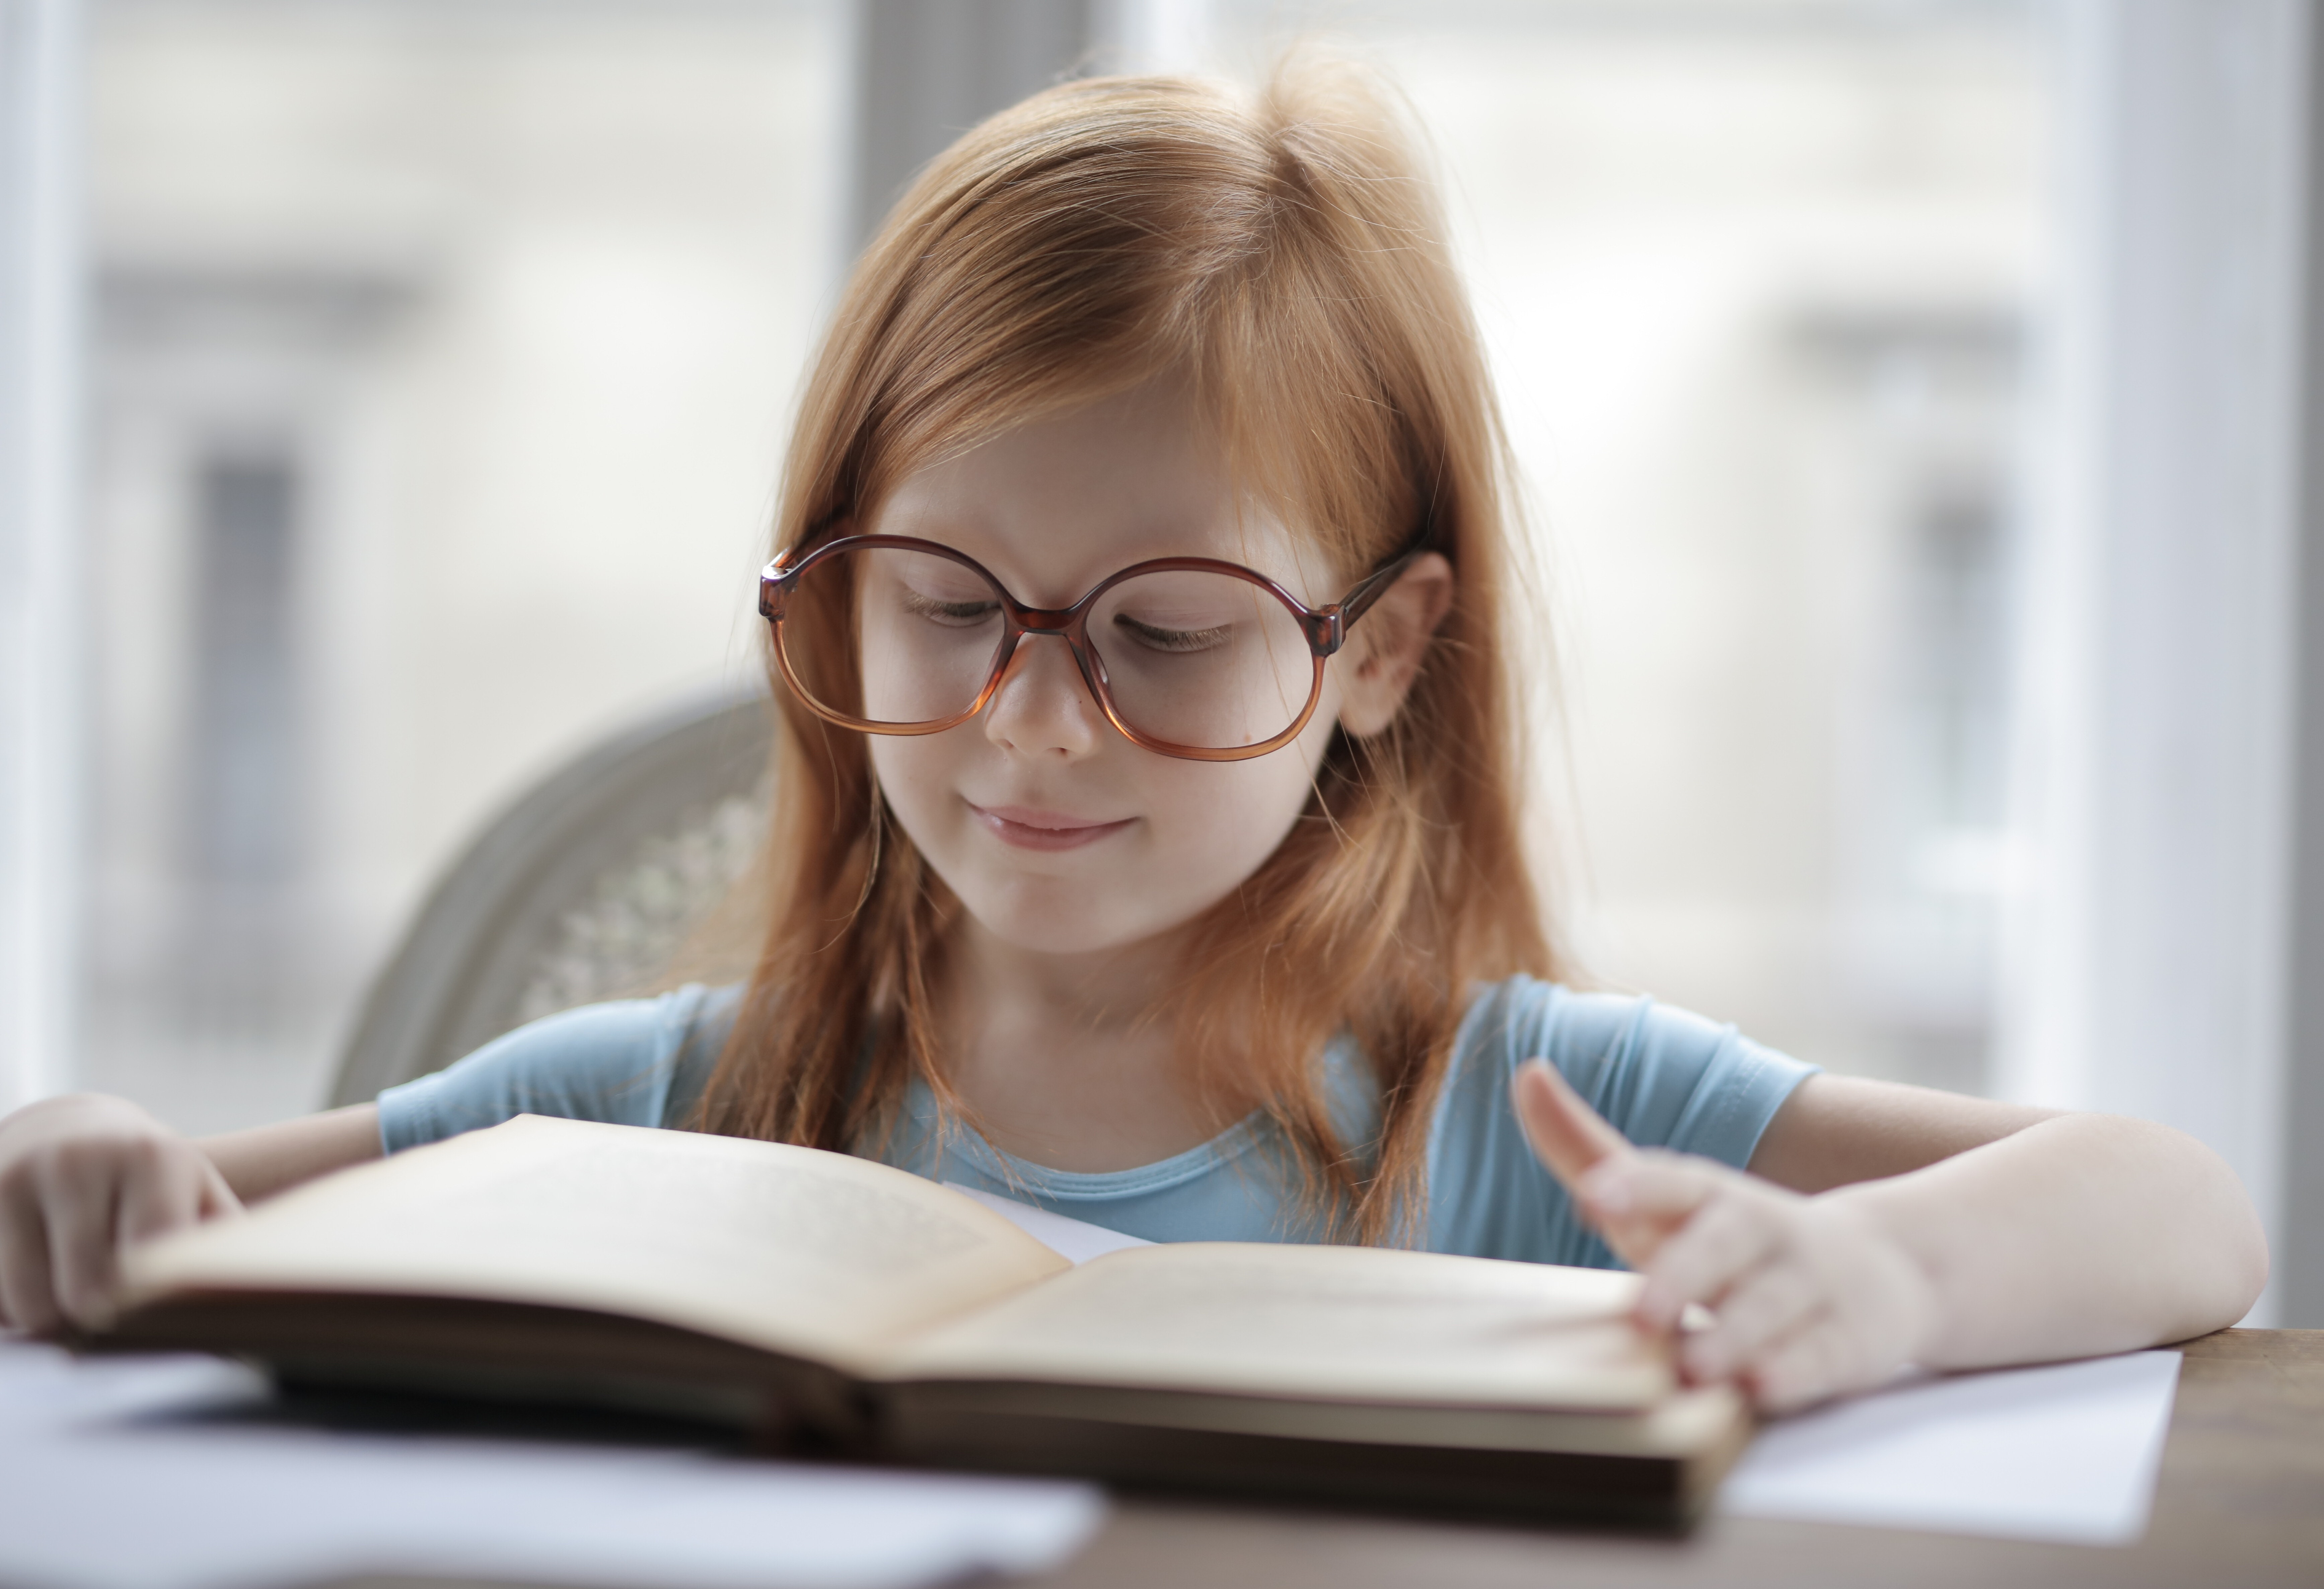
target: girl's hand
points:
(80, 1178)
(1810, 1296)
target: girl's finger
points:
(1651, 1186)
(1566, 1135)
(218, 1197)
(1809, 1366)
(79, 1208)
(160, 1192)
(27, 1295)
(1725, 1239)
(1766, 1306)
(1638, 1201)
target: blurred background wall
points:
(1909, 394)
(440, 355)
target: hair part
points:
(1283, 251)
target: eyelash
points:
(962, 612)
(1173, 641)
(1179, 640)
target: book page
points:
(791, 1250)
(1360, 1323)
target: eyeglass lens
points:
(1191, 657)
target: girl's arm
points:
(1887, 1224)
(82, 1176)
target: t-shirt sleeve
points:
(634, 1062)
(1662, 1078)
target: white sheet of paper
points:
(94, 1498)
(2066, 1451)
(1071, 1238)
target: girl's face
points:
(1058, 834)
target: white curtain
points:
(2148, 967)
(42, 602)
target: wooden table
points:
(2240, 1502)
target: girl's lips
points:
(1032, 830)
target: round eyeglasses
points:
(1187, 657)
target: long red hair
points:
(1283, 251)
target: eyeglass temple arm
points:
(1368, 590)
(770, 582)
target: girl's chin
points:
(1048, 921)
(1051, 934)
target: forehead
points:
(1057, 504)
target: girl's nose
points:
(1043, 706)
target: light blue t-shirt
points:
(1664, 1078)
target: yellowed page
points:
(795, 1251)
(1344, 1323)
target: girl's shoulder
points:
(627, 1062)
(1664, 1076)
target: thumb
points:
(1577, 1146)
(1566, 1135)
(218, 1198)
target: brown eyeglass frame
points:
(1325, 627)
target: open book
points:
(841, 1304)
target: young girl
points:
(1146, 841)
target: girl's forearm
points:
(2080, 1234)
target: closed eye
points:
(1155, 637)
(958, 615)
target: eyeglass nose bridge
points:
(1087, 667)
(1057, 624)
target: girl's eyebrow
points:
(1256, 539)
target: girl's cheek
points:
(1228, 823)
(916, 778)
(909, 771)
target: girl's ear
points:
(1384, 649)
